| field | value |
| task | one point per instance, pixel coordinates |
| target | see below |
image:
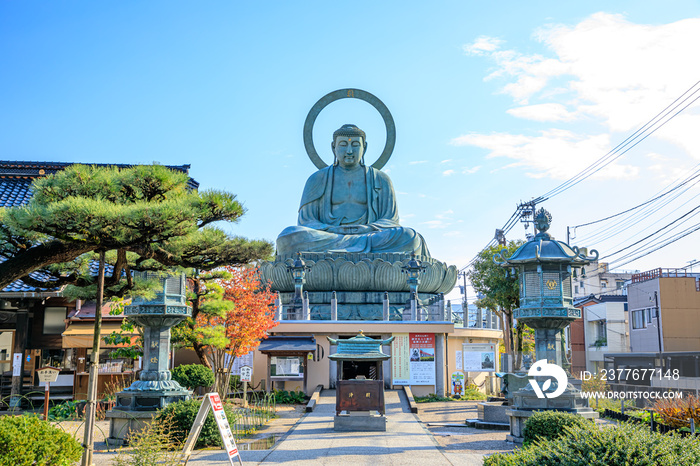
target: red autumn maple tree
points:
(245, 315)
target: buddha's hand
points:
(350, 229)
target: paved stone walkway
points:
(313, 442)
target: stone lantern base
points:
(134, 409)
(526, 403)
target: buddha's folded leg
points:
(399, 239)
(302, 239)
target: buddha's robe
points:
(316, 216)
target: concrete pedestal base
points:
(518, 418)
(359, 421)
(122, 423)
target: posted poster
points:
(400, 365)
(458, 360)
(245, 360)
(479, 357)
(422, 357)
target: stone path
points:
(312, 441)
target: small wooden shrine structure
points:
(359, 399)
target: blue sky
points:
(494, 103)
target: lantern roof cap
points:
(544, 248)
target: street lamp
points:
(413, 269)
(298, 270)
(546, 267)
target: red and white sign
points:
(213, 401)
(422, 358)
(224, 427)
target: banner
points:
(422, 357)
(400, 365)
(479, 357)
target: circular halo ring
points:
(324, 101)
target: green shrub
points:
(27, 440)
(431, 398)
(284, 397)
(626, 445)
(66, 411)
(193, 376)
(550, 425)
(472, 392)
(182, 415)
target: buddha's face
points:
(348, 150)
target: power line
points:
(657, 122)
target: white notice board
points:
(479, 357)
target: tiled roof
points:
(16, 177)
(15, 189)
(19, 286)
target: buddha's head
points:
(349, 145)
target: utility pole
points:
(465, 305)
(658, 326)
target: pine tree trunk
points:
(199, 349)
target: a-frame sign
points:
(213, 401)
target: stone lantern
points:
(414, 268)
(298, 269)
(546, 267)
(155, 388)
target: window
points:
(602, 331)
(638, 320)
(6, 347)
(651, 312)
(576, 289)
(54, 320)
(603, 283)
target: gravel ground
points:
(461, 438)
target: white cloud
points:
(446, 161)
(416, 162)
(470, 171)
(555, 153)
(436, 224)
(482, 45)
(604, 70)
(543, 112)
(448, 172)
(618, 71)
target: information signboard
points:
(48, 374)
(413, 359)
(246, 374)
(17, 365)
(479, 357)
